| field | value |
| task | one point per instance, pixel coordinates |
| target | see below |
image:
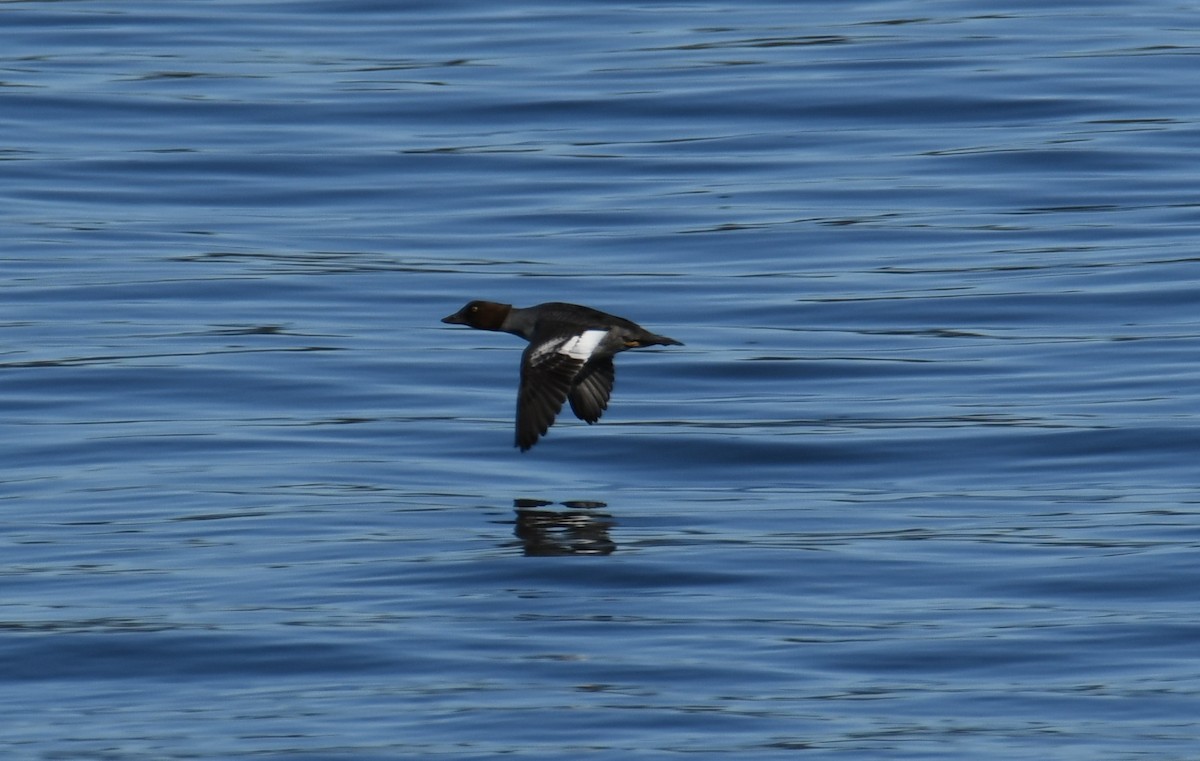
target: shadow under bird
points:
(569, 357)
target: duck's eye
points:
(474, 309)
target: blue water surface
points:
(921, 484)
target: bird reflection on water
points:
(579, 530)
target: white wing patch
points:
(582, 345)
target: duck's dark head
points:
(485, 315)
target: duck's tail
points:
(652, 339)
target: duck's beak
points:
(455, 319)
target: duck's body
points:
(569, 357)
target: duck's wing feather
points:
(592, 388)
(546, 378)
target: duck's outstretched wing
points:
(546, 376)
(592, 388)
